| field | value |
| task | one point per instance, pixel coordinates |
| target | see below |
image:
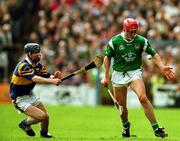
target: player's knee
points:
(44, 117)
(143, 99)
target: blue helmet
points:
(32, 47)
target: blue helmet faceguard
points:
(32, 47)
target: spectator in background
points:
(93, 22)
(6, 36)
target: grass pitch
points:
(90, 124)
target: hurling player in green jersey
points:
(126, 50)
(27, 73)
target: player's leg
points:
(38, 114)
(121, 97)
(139, 88)
(35, 115)
(44, 123)
(27, 104)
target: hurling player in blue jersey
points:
(126, 49)
(27, 73)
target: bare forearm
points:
(167, 71)
(107, 63)
(38, 79)
(157, 60)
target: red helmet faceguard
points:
(130, 25)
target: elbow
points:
(34, 79)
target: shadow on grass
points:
(114, 139)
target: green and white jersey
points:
(128, 54)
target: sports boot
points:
(159, 132)
(29, 131)
(126, 132)
(45, 134)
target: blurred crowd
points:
(72, 32)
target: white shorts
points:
(123, 80)
(23, 102)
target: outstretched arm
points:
(107, 63)
(39, 79)
(167, 71)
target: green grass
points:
(90, 124)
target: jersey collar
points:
(122, 34)
(29, 61)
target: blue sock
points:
(24, 122)
(43, 132)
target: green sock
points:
(154, 125)
(126, 124)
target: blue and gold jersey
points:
(21, 82)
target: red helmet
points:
(130, 24)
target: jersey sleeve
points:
(43, 72)
(148, 49)
(26, 71)
(109, 51)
